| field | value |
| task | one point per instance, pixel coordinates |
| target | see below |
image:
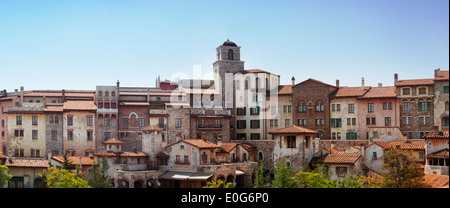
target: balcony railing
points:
(209, 126)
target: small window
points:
(182, 146)
(230, 54)
(446, 89)
(422, 91)
(406, 91)
(34, 120)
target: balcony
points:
(209, 126)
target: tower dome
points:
(229, 43)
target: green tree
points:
(67, 164)
(97, 176)
(321, 179)
(218, 184)
(4, 176)
(261, 179)
(401, 171)
(62, 178)
(283, 175)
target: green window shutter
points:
(428, 106)
(347, 136)
(446, 89)
(332, 122)
(420, 155)
(355, 136)
(339, 123)
(420, 106)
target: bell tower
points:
(228, 61)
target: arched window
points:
(113, 94)
(100, 93)
(230, 54)
(446, 106)
(257, 84)
(267, 84)
(106, 94)
(246, 83)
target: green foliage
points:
(283, 175)
(316, 179)
(62, 178)
(4, 176)
(261, 179)
(401, 171)
(218, 184)
(66, 162)
(97, 176)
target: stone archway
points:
(138, 184)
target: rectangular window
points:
(124, 122)
(271, 122)
(446, 90)
(424, 106)
(255, 136)
(390, 106)
(289, 108)
(407, 120)
(276, 122)
(254, 111)
(406, 106)
(287, 122)
(374, 121)
(241, 135)
(70, 135)
(406, 91)
(290, 142)
(384, 106)
(34, 120)
(186, 159)
(241, 124)
(370, 107)
(341, 171)
(89, 121)
(107, 135)
(89, 135)
(284, 108)
(18, 133)
(339, 136)
(351, 108)
(354, 121)
(336, 123)
(387, 121)
(107, 121)
(422, 91)
(178, 123)
(367, 121)
(409, 135)
(56, 119)
(3, 123)
(254, 124)
(333, 107)
(201, 123)
(69, 120)
(240, 111)
(333, 136)
(141, 122)
(54, 135)
(34, 134)
(338, 107)
(51, 119)
(18, 120)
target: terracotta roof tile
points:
(310, 79)
(293, 129)
(405, 145)
(2, 156)
(135, 103)
(122, 154)
(285, 89)
(340, 158)
(442, 134)
(29, 163)
(414, 82)
(151, 128)
(76, 160)
(201, 144)
(227, 147)
(79, 105)
(443, 76)
(437, 181)
(113, 141)
(440, 153)
(380, 92)
(350, 92)
(53, 108)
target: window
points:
(407, 120)
(51, 119)
(374, 121)
(422, 90)
(367, 121)
(285, 108)
(34, 120)
(255, 136)
(230, 54)
(113, 94)
(289, 108)
(333, 107)
(302, 108)
(336, 123)
(406, 106)
(375, 134)
(53, 101)
(89, 135)
(424, 120)
(141, 122)
(201, 123)
(3, 123)
(370, 107)
(446, 89)
(89, 121)
(240, 111)
(338, 107)
(254, 111)
(56, 119)
(241, 124)
(34, 134)
(178, 123)
(186, 159)
(241, 136)
(254, 124)
(69, 120)
(181, 146)
(255, 98)
(341, 171)
(351, 108)
(422, 133)
(107, 135)
(54, 135)
(446, 122)
(387, 121)
(287, 122)
(374, 156)
(275, 122)
(406, 91)
(18, 133)
(107, 120)
(351, 136)
(70, 135)
(18, 120)
(424, 106)
(30, 101)
(290, 142)
(409, 135)
(124, 122)
(177, 159)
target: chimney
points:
(362, 83)
(293, 80)
(337, 83)
(21, 96)
(134, 150)
(204, 137)
(437, 72)
(380, 84)
(219, 141)
(395, 78)
(63, 95)
(436, 130)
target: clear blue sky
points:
(78, 44)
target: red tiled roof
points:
(76, 160)
(122, 154)
(151, 128)
(135, 103)
(293, 129)
(53, 108)
(79, 105)
(113, 141)
(340, 158)
(440, 153)
(2, 156)
(414, 82)
(443, 76)
(28, 163)
(380, 92)
(198, 143)
(227, 147)
(351, 92)
(405, 145)
(437, 181)
(315, 81)
(285, 89)
(442, 134)
(248, 146)
(58, 94)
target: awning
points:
(238, 172)
(178, 175)
(200, 176)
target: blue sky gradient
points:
(84, 43)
